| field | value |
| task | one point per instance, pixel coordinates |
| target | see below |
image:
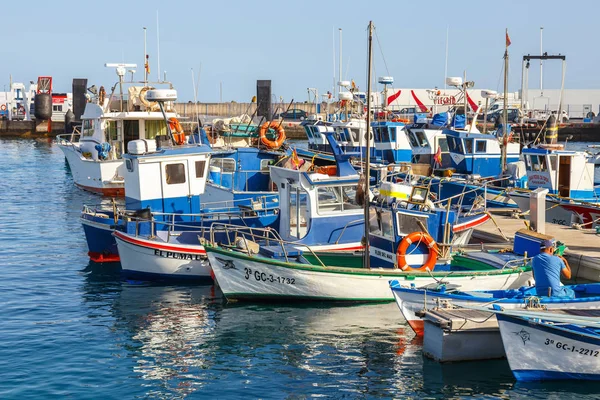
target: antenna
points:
(157, 48)
(145, 59)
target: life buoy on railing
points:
(276, 143)
(3, 107)
(405, 244)
(177, 131)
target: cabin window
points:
(408, 223)
(111, 130)
(553, 163)
(200, 167)
(309, 132)
(480, 146)
(468, 146)
(354, 133)
(422, 139)
(374, 221)
(443, 144)
(392, 134)
(538, 163)
(336, 199)
(387, 228)
(175, 174)
(154, 128)
(299, 221)
(264, 166)
(88, 127)
(129, 165)
(225, 164)
(413, 140)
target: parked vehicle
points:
(293, 114)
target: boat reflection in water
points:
(179, 340)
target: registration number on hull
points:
(264, 277)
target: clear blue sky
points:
(292, 42)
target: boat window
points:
(111, 130)
(354, 133)
(392, 134)
(154, 128)
(413, 140)
(468, 146)
(175, 173)
(87, 127)
(422, 139)
(336, 199)
(443, 144)
(309, 132)
(225, 164)
(264, 165)
(408, 223)
(480, 146)
(387, 228)
(538, 163)
(527, 160)
(299, 220)
(374, 221)
(200, 167)
(553, 163)
(543, 165)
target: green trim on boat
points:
(395, 274)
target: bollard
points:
(537, 207)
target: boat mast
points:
(505, 111)
(367, 170)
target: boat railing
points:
(356, 221)
(461, 196)
(68, 139)
(266, 201)
(243, 238)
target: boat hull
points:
(537, 351)
(411, 302)
(100, 177)
(151, 260)
(247, 277)
(554, 213)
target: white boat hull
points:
(147, 259)
(243, 277)
(554, 213)
(101, 177)
(538, 352)
(411, 303)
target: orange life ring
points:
(3, 107)
(177, 131)
(272, 144)
(410, 239)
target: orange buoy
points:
(177, 131)
(276, 143)
(410, 239)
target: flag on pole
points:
(147, 64)
(438, 156)
(508, 42)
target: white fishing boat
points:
(543, 345)
(109, 124)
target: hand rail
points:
(346, 226)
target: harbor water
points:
(71, 329)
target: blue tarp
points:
(440, 119)
(458, 121)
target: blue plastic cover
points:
(458, 121)
(420, 118)
(440, 119)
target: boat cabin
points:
(391, 142)
(425, 143)
(562, 172)
(478, 154)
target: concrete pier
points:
(583, 253)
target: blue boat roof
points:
(387, 123)
(467, 135)
(538, 150)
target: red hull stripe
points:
(422, 106)
(101, 258)
(111, 192)
(470, 224)
(151, 245)
(418, 326)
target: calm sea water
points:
(74, 330)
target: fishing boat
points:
(109, 124)
(335, 225)
(189, 183)
(403, 231)
(543, 345)
(569, 178)
(412, 298)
